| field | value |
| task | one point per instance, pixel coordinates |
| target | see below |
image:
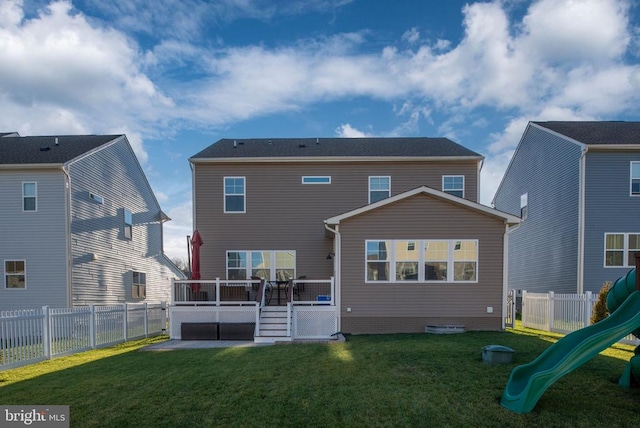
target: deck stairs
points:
(273, 325)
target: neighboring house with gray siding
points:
(395, 221)
(80, 224)
(577, 186)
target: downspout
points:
(581, 225)
(337, 271)
(193, 196)
(67, 226)
(505, 268)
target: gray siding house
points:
(394, 221)
(80, 224)
(577, 187)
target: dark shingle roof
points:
(43, 150)
(601, 133)
(334, 147)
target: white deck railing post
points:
(217, 291)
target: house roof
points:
(260, 148)
(597, 133)
(508, 218)
(44, 150)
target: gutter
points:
(337, 244)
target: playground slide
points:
(528, 382)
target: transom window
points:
(379, 188)
(620, 249)
(15, 274)
(234, 195)
(422, 260)
(316, 180)
(29, 196)
(635, 178)
(270, 265)
(139, 287)
(453, 184)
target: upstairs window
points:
(139, 285)
(96, 198)
(128, 224)
(379, 188)
(234, 195)
(453, 184)
(29, 196)
(15, 274)
(524, 206)
(635, 178)
(316, 180)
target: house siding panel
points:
(97, 229)
(543, 250)
(404, 307)
(283, 214)
(609, 209)
(37, 237)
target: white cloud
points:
(62, 74)
(177, 230)
(347, 131)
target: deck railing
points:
(314, 291)
(215, 292)
(32, 335)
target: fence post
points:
(125, 315)
(92, 327)
(46, 333)
(164, 317)
(523, 312)
(588, 309)
(217, 291)
(551, 310)
(146, 322)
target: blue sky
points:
(177, 75)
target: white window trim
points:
(379, 176)
(272, 262)
(625, 250)
(244, 196)
(324, 177)
(4, 274)
(631, 179)
(453, 190)
(421, 262)
(35, 183)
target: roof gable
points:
(597, 133)
(49, 149)
(508, 218)
(334, 148)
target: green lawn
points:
(384, 380)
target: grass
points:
(403, 380)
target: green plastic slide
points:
(528, 382)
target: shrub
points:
(600, 311)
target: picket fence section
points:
(32, 335)
(561, 313)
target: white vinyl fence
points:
(561, 313)
(31, 335)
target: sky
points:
(175, 76)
